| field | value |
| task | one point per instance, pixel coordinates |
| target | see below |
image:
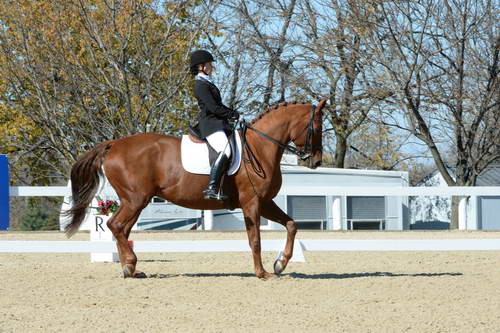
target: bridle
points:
(308, 147)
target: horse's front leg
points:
(272, 212)
(251, 211)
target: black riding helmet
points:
(199, 57)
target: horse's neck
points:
(270, 151)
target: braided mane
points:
(272, 108)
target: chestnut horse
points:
(146, 165)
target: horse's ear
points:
(321, 104)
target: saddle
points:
(195, 136)
(197, 156)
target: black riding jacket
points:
(213, 114)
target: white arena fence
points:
(61, 191)
(272, 245)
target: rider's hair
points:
(195, 69)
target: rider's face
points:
(208, 68)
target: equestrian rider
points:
(213, 118)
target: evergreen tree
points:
(40, 215)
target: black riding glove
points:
(235, 115)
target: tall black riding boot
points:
(216, 173)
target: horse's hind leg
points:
(120, 225)
(272, 212)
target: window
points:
(365, 213)
(309, 212)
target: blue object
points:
(4, 193)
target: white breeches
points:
(219, 142)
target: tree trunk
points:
(234, 85)
(340, 152)
(455, 200)
(269, 85)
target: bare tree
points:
(274, 46)
(334, 57)
(441, 59)
(272, 51)
(253, 51)
(377, 146)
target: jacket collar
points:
(204, 78)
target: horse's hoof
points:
(139, 275)
(279, 266)
(268, 276)
(128, 271)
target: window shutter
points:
(307, 207)
(361, 208)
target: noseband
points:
(305, 152)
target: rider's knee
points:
(227, 151)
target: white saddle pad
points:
(194, 156)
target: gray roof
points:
(490, 176)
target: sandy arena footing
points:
(332, 291)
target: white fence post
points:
(462, 214)
(337, 213)
(208, 219)
(101, 233)
(472, 215)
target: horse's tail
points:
(85, 176)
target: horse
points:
(144, 165)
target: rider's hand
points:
(234, 115)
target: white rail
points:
(393, 191)
(39, 191)
(242, 245)
(60, 191)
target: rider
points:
(213, 118)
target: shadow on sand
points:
(366, 274)
(322, 276)
(200, 275)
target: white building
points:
(330, 212)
